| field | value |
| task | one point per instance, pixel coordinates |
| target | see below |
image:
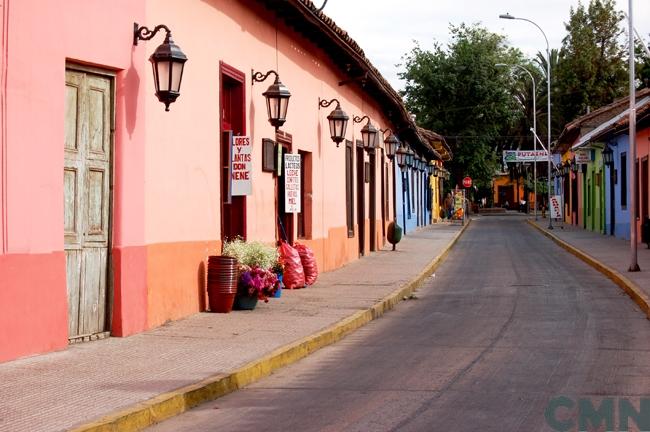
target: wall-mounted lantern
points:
(608, 155)
(338, 120)
(410, 157)
(391, 143)
(401, 155)
(277, 98)
(433, 169)
(368, 133)
(168, 62)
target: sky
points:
(387, 29)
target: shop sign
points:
(241, 166)
(525, 156)
(556, 206)
(583, 156)
(292, 183)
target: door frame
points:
(225, 70)
(361, 197)
(372, 198)
(110, 276)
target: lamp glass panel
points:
(156, 78)
(163, 75)
(284, 105)
(177, 75)
(342, 127)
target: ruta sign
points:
(292, 183)
(525, 156)
(241, 166)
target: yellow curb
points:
(630, 288)
(170, 404)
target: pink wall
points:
(166, 177)
(185, 141)
(42, 37)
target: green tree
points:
(458, 92)
(591, 70)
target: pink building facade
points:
(110, 205)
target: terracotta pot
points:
(223, 274)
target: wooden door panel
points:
(96, 205)
(71, 216)
(99, 117)
(72, 97)
(73, 285)
(92, 291)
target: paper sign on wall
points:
(241, 167)
(292, 183)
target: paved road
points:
(509, 322)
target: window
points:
(349, 191)
(623, 181)
(305, 215)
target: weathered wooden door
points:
(86, 176)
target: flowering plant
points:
(259, 282)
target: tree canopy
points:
(458, 92)
(592, 68)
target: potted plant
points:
(257, 281)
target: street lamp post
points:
(534, 125)
(634, 265)
(548, 105)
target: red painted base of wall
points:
(33, 304)
(129, 291)
(176, 279)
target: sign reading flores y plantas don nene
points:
(292, 183)
(524, 155)
(241, 167)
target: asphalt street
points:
(509, 324)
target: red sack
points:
(308, 263)
(293, 275)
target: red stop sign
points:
(467, 182)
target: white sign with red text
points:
(556, 206)
(241, 167)
(292, 183)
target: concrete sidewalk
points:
(129, 383)
(608, 254)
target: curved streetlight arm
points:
(145, 34)
(358, 119)
(324, 103)
(259, 76)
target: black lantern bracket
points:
(358, 119)
(324, 103)
(261, 77)
(144, 33)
